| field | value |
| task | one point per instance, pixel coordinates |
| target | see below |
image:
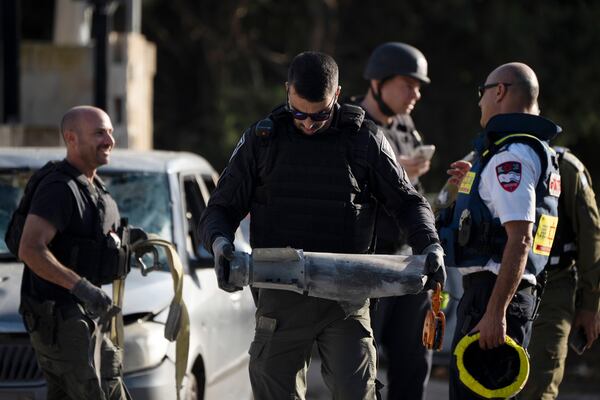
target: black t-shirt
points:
(76, 216)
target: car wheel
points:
(190, 388)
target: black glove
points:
(96, 302)
(434, 266)
(223, 254)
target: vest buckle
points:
(464, 227)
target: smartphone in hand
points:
(424, 151)
(578, 341)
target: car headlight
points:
(145, 345)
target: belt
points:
(489, 277)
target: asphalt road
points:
(437, 389)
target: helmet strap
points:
(384, 108)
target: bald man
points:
(67, 242)
(500, 229)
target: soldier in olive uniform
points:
(571, 298)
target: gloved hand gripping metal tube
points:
(342, 277)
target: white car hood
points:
(10, 297)
(146, 294)
(143, 294)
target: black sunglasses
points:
(482, 88)
(317, 117)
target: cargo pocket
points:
(265, 327)
(30, 321)
(56, 366)
(112, 358)
(40, 319)
(521, 307)
(74, 337)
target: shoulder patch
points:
(554, 184)
(386, 148)
(584, 180)
(509, 175)
(238, 146)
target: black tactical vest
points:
(97, 256)
(469, 234)
(312, 191)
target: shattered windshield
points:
(143, 198)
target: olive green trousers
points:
(287, 327)
(64, 346)
(548, 347)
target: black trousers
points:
(398, 328)
(478, 288)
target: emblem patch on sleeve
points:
(554, 185)
(509, 175)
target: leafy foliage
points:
(222, 65)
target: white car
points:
(163, 193)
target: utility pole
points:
(101, 23)
(10, 44)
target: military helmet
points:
(500, 372)
(395, 58)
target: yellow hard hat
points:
(500, 372)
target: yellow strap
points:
(183, 337)
(510, 136)
(117, 327)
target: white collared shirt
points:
(507, 188)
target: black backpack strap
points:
(71, 183)
(350, 117)
(53, 170)
(266, 130)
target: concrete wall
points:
(55, 78)
(131, 89)
(14, 135)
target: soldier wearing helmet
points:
(395, 72)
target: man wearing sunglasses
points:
(395, 72)
(500, 229)
(309, 175)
